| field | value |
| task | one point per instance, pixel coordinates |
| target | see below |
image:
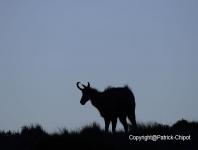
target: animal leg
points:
(114, 122)
(107, 122)
(124, 123)
(133, 119)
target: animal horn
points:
(88, 84)
(77, 84)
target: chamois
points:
(112, 103)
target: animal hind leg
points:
(124, 123)
(132, 119)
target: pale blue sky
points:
(47, 46)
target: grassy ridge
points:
(93, 137)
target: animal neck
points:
(95, 98)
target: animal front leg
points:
(114, 122)
(107, 122)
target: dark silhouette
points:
(112, 103)
(93, 137)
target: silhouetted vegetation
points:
(93, 137)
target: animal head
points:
(86, 90)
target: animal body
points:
(112, 103)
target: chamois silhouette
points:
(112, 103)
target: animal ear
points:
(84, 86)
(88, 84)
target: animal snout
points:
(82, 103)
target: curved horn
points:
(77, 84)
(88, 84)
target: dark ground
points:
(93, 137)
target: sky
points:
(47, 46)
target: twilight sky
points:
(47, 46)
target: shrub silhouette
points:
(112, 103)
(93, 137)
(33, 130)
(93, 129)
